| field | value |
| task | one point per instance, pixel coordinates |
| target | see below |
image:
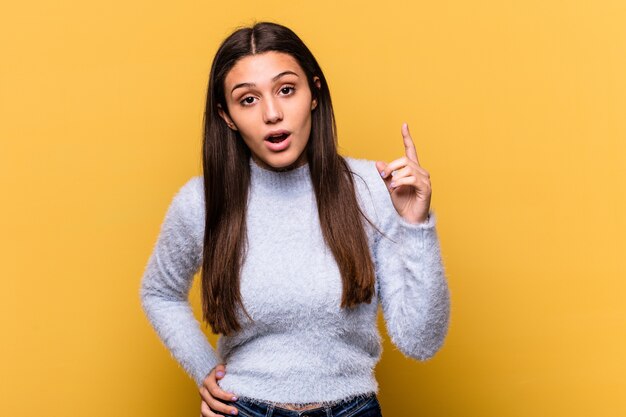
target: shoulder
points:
(359, 164)
(363, 170)
(188, 203)
(369, 186)
(191, 191)
(366, 175)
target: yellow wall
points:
(517, 110)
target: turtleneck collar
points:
(294, 179)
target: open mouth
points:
(278, 138)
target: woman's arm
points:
(168, 276)
(412, 286)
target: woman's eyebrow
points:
(253, 84)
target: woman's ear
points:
(225, 116)
(318, 84)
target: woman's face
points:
(270, 103)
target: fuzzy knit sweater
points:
(301, 347)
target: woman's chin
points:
(280, 162)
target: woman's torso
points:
(300, 339)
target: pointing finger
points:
(409, 146)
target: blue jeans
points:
(362, 406)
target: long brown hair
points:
(227, 178)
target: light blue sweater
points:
(302, 347)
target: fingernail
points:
(220, 373)
(393, 184)
(234, 399)
(233, 412)
(382, 174)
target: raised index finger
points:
(409, 146)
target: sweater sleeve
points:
(167, 278)
(411, 282)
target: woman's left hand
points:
(409, 185)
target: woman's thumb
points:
(382, 167)
(220, 370)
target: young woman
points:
(297, 245)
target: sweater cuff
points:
(416, 236)
(428, 224)
(201, 376)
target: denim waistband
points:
(251, 407)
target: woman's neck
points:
(288, 180)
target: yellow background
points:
(517, 110)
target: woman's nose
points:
(271, 111)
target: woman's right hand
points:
(210, 392)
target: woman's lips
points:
(277, 132)
(280, 145)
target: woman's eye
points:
(247, 100)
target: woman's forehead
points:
(262, 67)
